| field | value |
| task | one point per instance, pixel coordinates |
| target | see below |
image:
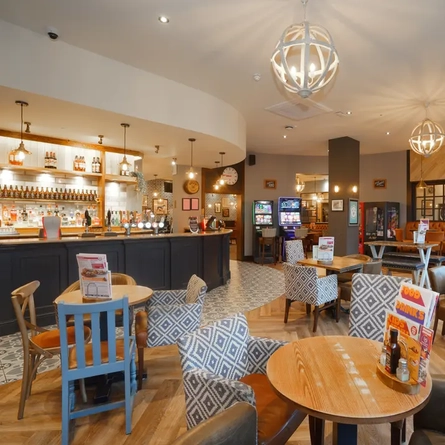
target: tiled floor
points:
(251, 286)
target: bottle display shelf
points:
(50, 171)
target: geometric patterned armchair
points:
(173, 313)
(222, 365)
(294, 251)
(168, 315)
(302, 284)
(371, 295)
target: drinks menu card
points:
(412, 315)
(325, 249)
(424, 225)
(94, 276)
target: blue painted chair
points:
(96, 358)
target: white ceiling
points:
(391, 63)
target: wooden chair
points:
(42, 343)
(96, 358)
(302, 284)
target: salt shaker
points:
(402, 370)
(383, 356)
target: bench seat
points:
(402, 264)
(435, 260)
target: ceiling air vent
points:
(299, 110)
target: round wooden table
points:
(136, 294)
(334, 378)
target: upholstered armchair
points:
(222, 365)
(437, 278)
(302, 284)
(429, 425)
(236, 424)
(169, 315)
(294, 251)
(371, 296)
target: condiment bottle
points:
(402, 371)
(392, 352)
(383, 356)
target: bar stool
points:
(271, 242)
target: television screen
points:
(289, 204)
(263, 207)
(289, 218)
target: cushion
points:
(426, 437)
(72, 361)
(194, 287)
(51, 339)
(140, 329)
(277, 419)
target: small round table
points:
(136, 294)
(334, 378)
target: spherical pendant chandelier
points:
(305, 59)
(299, 184)
(427, 138)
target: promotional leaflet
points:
(94, 276)
(422, 228)
(325, 249)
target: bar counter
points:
(164, 261)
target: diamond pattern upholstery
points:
(371, 296)
(294, 251)
(302, 284)
(213, 359)
(173, 313)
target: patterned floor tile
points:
(250, 287)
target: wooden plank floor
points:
(159, 412)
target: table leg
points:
(396, 432)
(316, 428)
(343, 434)
(425, 258)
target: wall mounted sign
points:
(337, 205)
(270, 184)
(380, 183)
(353, 212)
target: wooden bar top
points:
(100, 238)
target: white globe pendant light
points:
(305, 59)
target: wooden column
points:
(344, 172)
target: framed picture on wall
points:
(379, 183)
(353, 212)
(270, 183)
(337, 205)
(225, 213)
(186, 204)
(217, 207)
(160, 206)
(195, 203)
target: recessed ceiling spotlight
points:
(349, 113)
(257, 77)
(284, 136)
(289, 127)
(163, 19)
(388, 133)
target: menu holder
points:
(94, 277)
(325, 253)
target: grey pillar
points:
(344, 172)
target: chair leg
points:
(443, 327)
(83, 391)
(140, 367)
(308, 309)
(286, 311)
(337, 309)
(404, 431)
(24, 391)
(65, 413)
(316, 313)
(436, 322)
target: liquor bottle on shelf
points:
(27, 193)
(76, 164)
(46, 162)
(5, 191)
(16, 193)
(93, 165)
(21, 192)
(32, 193)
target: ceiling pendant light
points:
(20, 152)
(299, 184)
(191, 174)
(124, 165)
(216, 185)
(427, 137)
(221, 179)
(305, 59)
(421, 184)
